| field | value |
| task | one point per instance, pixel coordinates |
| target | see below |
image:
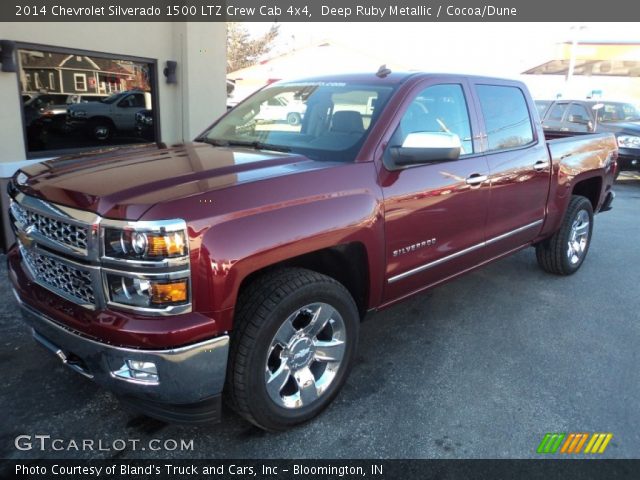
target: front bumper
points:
(189, 375)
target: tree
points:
(244, 51)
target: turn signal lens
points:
(147, 293)
(167, 245)
(174, 292)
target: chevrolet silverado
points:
(240, 265)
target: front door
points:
(434, 213)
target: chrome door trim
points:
(470, 249)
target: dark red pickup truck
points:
(242, 264)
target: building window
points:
(80, 81)
(83, 106)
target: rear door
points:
(519, 166)
(435, 212)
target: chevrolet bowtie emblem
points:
(25, 236)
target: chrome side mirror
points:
(426, 147)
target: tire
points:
(294, 118)
(100, 130)
(559, 254)
(276, 346)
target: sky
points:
(495, 49)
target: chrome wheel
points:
(578, 237)
(305, 355)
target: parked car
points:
(563, 118)
(37, 103)
(242, 263)
(117, 113)
(54, 117)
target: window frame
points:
(153, 81)
(83, 76)
(528, 102)
(467, 103)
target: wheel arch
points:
(347, 263)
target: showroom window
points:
(74, 101)
(506, 117)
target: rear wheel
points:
(292, 348)
(565, 251)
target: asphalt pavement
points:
(481, 367)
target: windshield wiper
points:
(238, 143)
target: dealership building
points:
(142, 82)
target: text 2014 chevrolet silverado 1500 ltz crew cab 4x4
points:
(240, 265)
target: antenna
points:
(383, 71)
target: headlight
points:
(627, 141)
(147, 293)
(141, 245)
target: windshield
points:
(115, 97)
(323, 121)
(618, 112)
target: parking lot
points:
(481, 367)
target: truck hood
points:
(125, 183)
(623, 128)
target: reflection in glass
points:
(84, 101)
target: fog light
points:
(145, 372)
(174, 292)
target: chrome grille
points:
(62, 278)
(55, 230)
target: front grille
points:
(55, 230)
(70, 281)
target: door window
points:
(439, 108)
(506, 117)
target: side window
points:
(506, 116)
(578, 114)
(138, 100)
(440, 108)
(557, 112)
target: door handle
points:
(476, 179)
(540, 165)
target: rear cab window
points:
(506, 117)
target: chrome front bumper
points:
(186, 375)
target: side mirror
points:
(426, 147)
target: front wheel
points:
(565, 251)
(292, 347)
(294, 118)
